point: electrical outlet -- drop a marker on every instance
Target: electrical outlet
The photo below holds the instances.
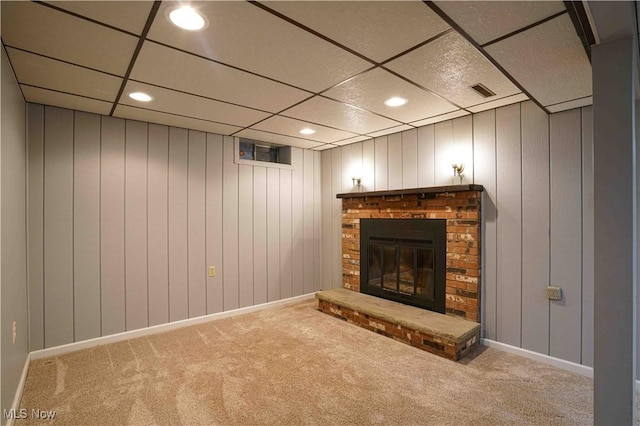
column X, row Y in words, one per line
column 14, row 332
column 554, row 292
column 212, row 271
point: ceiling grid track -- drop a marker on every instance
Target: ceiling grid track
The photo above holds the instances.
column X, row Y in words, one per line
column 347, row 57
column 581, row 24
column 136, row 52
column 480, row 49
column 523, row 29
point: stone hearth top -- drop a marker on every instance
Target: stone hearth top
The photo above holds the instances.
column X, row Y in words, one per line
column 432, row 323
column 413, row 191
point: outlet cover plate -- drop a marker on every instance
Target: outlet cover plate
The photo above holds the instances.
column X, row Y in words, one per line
column 554, row 292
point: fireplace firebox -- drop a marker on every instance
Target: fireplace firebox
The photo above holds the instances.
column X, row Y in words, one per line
column 404, row 261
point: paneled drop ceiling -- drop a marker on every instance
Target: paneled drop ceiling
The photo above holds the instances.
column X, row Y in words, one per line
column 265, row 70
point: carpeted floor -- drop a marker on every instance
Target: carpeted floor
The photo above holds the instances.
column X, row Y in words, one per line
column 295, row 365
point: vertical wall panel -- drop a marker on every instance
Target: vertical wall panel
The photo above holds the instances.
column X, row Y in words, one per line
column 356, row 165
column 35, row 194
column 327, row 227
column 214, row 189
column 426, row 156
column 347, row 182
column 286, row 270
column 317, row 220
column 308, row 221
column 509, row 241
column 368, row 165
column 381, row 166
column 112, row 225
column 394, row 158
column 350, row 167
column 245, row 234
column 273, row 234
column 535, row 228
column 336, row 218
column 410, row 158
column 587, row 236
column 178, row 266
column 230, row 226
column 135, row 205
column 58, row 226
column 158, row 225
column 297, row 221
column 443, row 142
column 463, row 146
column 484, row 153
column 136, row 212
column 566, row 234
column 260, row 235
column 197, row 224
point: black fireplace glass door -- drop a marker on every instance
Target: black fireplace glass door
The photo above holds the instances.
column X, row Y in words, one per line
column 375, row 265
column 425, row 282
column 390, row 268
column 404, row 260
column 406, row 271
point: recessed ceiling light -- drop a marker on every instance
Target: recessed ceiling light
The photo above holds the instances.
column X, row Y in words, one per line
column 307, row 131
column 187, row 18
column 395, row 102
column 140, row 96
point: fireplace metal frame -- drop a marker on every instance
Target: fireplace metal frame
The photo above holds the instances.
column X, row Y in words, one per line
column 407, row 233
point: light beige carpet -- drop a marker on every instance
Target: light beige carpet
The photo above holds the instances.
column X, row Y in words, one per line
column 295, row 365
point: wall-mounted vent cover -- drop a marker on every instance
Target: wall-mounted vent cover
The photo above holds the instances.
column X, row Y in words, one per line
column 482, row 89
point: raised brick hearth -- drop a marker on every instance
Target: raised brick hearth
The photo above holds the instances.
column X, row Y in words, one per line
column 459, row 205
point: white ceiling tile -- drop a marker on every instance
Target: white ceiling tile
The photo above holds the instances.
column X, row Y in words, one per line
column 245, row 36
column 338, row 115
column 485, row 21
column 390, row 131
column 449, row 66
column 352, row 140
column 258, row 135
column 577, row 103
column 291, row 127
column 127, row 15
column 48, row 73
column 170, row 101
column 555, row 68
column 48, row 97
column 520, row 97
column 439, row 118
column 168, row 67
column 371, row 89
column 41, row 29
column 132, row 113
column 384, row 28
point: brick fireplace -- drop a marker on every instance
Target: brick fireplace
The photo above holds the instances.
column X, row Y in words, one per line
column 459, row 207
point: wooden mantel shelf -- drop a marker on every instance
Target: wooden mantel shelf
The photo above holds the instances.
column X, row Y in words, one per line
column 413, row 191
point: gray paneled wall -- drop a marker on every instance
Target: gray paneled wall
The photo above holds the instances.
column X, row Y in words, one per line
column 125, row 217
column 538, row 213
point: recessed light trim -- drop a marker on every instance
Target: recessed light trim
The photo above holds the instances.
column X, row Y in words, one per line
column 187, row 18
column 307, row 131
column 140, row 97
column 395, row 101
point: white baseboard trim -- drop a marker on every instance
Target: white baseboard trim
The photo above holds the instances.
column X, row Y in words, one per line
column 583, row 370
column 18, row 396
column 85, row 344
